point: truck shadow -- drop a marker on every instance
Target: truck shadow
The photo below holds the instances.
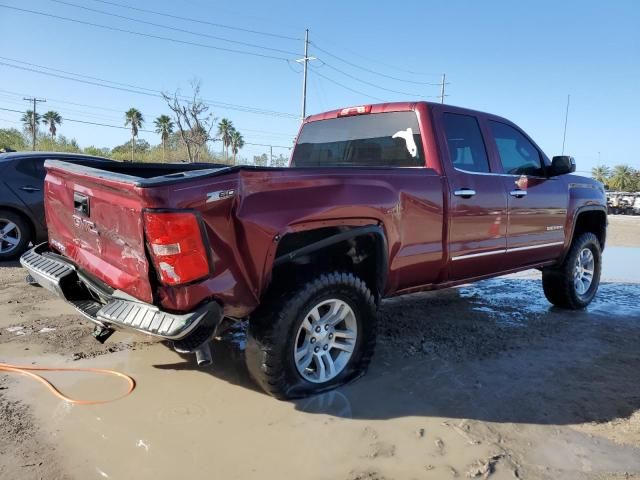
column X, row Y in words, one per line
column 494, row 351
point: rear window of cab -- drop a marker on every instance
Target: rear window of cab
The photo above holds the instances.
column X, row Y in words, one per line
column 389, row 139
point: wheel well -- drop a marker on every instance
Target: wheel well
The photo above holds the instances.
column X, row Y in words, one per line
column 301, row 256
column 25, row 217
column 594, row 221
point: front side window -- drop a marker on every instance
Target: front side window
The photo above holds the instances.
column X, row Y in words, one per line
column 372, row 140
column 517, row 154
column 464, row 139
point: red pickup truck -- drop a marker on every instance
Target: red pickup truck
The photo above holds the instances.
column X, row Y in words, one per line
column 378, row 200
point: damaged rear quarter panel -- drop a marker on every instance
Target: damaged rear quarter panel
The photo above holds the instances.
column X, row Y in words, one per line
column 243, row 229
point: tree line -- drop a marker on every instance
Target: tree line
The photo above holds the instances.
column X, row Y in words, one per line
column 621, row 178
column 185, row 135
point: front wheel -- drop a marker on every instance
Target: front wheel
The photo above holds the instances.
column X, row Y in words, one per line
column 574, row 283
column 314, row 339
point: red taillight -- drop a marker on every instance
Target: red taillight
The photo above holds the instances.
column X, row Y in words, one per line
column 175, row 241
column 361, row 110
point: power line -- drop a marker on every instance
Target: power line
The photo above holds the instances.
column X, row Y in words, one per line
column 9, row 121
column 103, row 125
column 83, row 121
column 368, row 69
column 138, row 90
column 347, row 88
column 266, row 133
column 78, row 74
column 262, row 47
column 13, row 98
column 182, row 30
column 380, row 62
column 267, row 145
column 197, row 20
column 51, row 101
column 63, row 108
column 147, row 35
column 11, row 110
column 353, row 77
column 54, row 103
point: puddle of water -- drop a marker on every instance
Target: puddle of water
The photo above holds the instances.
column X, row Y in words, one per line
column 621, row 264
column 515, row 299
column 510, row 301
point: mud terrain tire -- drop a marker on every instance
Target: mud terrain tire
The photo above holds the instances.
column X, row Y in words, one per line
column 559, row 283
column 275, row 328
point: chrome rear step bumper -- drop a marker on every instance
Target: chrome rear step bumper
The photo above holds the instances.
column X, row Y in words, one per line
column 121, row 310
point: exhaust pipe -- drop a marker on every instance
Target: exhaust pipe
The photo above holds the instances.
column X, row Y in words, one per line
column 203, row 354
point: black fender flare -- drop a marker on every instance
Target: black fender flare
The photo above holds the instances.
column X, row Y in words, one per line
column 579, row 211
column 381, row 253
column 588, row 208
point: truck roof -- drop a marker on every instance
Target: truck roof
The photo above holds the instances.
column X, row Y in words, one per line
column 397, row 107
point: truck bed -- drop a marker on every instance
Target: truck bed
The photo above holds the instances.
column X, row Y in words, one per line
column 141, row 174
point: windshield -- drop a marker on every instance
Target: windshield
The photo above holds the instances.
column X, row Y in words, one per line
column 377, row 140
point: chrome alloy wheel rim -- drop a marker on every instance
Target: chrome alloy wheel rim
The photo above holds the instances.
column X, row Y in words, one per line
column 325, row 340
column 583, row 273
column 9, row 236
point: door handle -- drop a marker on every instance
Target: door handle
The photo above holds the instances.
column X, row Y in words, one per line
column 518, row 193
column 464, row 193
column 29, row 188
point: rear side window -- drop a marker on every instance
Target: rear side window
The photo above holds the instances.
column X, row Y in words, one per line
column 517, row 154
column 466, row 146
column 32, row 167
column 375, row 140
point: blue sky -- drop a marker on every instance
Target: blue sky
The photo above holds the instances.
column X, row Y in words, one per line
column 516, row 59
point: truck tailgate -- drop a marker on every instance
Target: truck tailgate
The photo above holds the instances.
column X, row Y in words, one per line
column 97, row 223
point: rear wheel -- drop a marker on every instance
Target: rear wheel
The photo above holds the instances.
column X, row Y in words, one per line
column 573, row 284
column 15, row 235
column 313, row 340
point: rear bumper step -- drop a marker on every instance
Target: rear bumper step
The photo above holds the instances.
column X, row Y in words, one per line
column 121, row 310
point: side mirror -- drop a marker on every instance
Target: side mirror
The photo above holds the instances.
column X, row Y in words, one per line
column 561, row 165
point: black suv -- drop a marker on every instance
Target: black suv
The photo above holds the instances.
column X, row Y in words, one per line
column 22, row 198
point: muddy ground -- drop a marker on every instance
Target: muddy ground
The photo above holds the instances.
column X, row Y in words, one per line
column 482, row 381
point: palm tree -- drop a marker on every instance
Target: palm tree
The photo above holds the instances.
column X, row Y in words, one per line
column 225, row 129
column 623, row 178
column 601, row 173
column 237, row 142
column 164, row 126
column 52, row 119
column 134, row 118
column 29, row 123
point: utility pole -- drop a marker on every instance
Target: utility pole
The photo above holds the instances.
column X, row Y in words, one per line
column 444, row 76
column 271, row 155
column 33, row 119
column 305, row 62
column 566, row 118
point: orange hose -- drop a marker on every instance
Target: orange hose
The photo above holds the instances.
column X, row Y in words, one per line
column 28, row 371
